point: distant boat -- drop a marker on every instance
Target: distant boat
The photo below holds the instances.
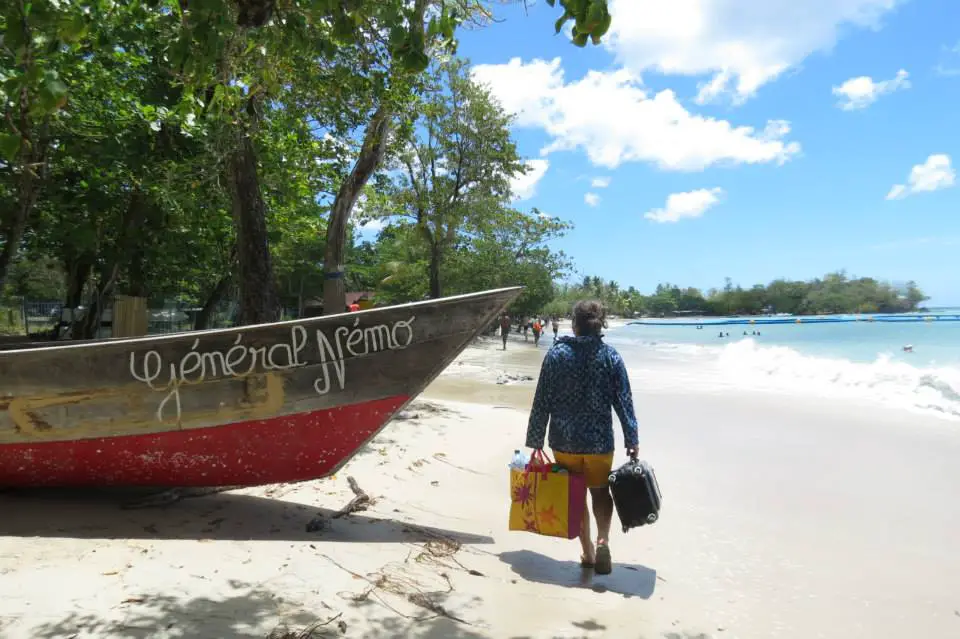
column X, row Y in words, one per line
column 244, row 406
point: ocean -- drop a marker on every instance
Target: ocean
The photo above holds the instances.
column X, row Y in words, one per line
column 863, row 360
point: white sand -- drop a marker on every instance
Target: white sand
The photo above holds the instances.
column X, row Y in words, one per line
column 782, row 518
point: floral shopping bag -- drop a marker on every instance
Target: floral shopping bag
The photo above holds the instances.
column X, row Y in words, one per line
column 545, row 499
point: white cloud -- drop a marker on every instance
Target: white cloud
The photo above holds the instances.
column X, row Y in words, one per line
column 862, row 91
column 601, row 182
column 614, row 119
column 524, row 186
column 690, row 204
column 592, row 199
column 739, row 44
column 934, row 174
column 949, row 60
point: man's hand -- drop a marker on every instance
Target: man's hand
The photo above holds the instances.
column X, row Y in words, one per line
column 633, row 453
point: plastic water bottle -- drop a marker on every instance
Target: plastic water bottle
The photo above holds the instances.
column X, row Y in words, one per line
column 519, row 462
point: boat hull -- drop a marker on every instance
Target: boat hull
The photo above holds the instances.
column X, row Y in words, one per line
column 254, row 405
column 280, row 449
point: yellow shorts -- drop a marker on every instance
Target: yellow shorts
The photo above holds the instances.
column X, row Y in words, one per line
column 594, row 468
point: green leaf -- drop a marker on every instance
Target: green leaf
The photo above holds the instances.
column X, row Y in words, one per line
column 596, row 13
column 217, row 98
column 562, row 20
column 9, row 146
column 53, row 92
column 73, row 29
column 580, row 39
column 415, row 61
column 603, row 27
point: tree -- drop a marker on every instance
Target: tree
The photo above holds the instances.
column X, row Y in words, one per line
column 913, row 296
column 411, row 45
column 40, row 40
column 512, row 248
column 455, row 174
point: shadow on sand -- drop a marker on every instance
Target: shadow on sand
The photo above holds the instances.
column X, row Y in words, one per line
column 629, row 580
column 249, row 612
column 225, row 516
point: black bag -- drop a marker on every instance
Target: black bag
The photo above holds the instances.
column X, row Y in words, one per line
column 636, row 494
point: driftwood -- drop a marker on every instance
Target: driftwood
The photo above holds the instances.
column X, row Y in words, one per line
column 313, row 631
column 361, row 500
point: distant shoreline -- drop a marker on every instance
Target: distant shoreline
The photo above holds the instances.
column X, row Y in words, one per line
column 947, row 310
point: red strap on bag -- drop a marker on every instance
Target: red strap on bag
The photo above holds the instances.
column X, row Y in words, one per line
column 540, row 463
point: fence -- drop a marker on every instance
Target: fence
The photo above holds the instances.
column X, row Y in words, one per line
column 21, row 318
column 30, row 317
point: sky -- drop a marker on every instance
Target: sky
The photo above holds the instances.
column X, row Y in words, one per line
column 750, row 139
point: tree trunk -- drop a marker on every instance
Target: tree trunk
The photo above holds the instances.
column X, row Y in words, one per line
column 77, row 272
column 137, row 274
column 32, row 167
column 371, row 154
column 103, row 293
column 434, row 271
column 27, row 199
column 203, row 317
column 259, row 299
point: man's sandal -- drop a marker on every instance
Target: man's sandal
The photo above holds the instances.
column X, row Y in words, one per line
column 604, row 565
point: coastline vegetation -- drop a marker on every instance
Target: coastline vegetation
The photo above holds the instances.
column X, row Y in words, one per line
column 833, row 293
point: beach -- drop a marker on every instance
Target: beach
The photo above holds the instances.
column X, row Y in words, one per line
column 784, row 516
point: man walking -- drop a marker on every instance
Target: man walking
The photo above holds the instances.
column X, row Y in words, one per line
column 504, row 329
column 580, row 380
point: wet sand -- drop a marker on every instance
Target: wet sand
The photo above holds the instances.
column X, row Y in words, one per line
column 782, row 518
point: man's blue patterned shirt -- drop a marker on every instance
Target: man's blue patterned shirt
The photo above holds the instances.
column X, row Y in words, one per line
column 580, row 380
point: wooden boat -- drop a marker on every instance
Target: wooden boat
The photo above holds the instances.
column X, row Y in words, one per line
column 252, row 405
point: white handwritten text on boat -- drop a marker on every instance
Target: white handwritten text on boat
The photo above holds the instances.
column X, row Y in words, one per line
column 241, row 360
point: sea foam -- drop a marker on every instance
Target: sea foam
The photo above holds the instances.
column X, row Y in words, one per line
column 748, row 365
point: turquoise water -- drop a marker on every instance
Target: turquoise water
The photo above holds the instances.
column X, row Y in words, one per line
column 934, row 343
column 860, row 359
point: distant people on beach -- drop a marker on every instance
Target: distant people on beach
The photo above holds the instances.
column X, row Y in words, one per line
column 526, row 329
column 580, row 380
column 556, row 328
column 537, row 329
column 504, row 329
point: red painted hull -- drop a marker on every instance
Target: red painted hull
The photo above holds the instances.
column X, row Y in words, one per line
column 279, row 449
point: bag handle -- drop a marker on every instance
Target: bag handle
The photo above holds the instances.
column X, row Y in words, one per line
column 540, row 455
column 539, row 462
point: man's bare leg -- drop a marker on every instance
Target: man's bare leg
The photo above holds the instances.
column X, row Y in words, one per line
column 603, row 511
column 589, row 553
